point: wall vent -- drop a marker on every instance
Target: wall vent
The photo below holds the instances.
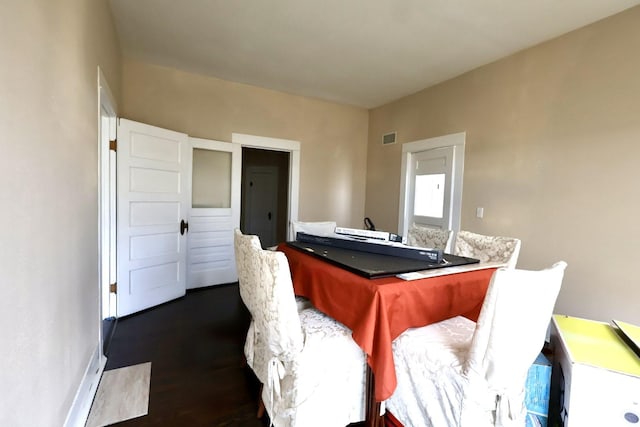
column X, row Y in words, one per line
column 389, row 138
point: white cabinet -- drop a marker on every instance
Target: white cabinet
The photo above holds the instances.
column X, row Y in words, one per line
column 596, row 376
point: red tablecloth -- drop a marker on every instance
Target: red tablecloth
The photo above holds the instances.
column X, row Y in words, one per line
column 379, row 310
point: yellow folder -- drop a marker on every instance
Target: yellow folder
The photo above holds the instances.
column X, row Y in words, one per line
column 597, row 344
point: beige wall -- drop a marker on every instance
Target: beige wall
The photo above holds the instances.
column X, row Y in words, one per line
column 333, row 137
column 551, row 150
column 552, row 155
column 49, row 315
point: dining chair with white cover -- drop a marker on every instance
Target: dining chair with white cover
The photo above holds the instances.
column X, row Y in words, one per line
column 312, row 372
column 461, row 373
column 428, row 237
column 487, row 248
column 317, row 228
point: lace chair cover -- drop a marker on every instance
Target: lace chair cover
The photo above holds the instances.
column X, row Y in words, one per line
column 487, row 248
column 428, row 237
column 428, row 363
column 266, row 290
column 312, row 371
column 457, row 373
column 319, row 228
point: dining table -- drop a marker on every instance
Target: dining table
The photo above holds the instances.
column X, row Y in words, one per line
column 378, row 310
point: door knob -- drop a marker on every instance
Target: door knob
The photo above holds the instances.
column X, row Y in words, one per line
column 269, row 216
column 183, row 226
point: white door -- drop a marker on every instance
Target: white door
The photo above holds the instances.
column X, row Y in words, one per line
column 431, row 185
column 153, row 194
column 261, row 203
column 214, row 212
column 430, row 192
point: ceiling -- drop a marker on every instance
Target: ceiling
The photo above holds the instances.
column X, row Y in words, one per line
column 359, row 52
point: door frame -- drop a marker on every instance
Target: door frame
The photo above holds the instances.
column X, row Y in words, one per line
column 106, row 204
column 409, row 150
column 277, row 144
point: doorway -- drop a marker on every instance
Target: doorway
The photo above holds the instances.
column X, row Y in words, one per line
column 265, row 194
column 431, row 184
column 429, row 195
column 290, row 181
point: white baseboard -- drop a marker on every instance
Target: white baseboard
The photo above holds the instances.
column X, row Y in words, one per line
column 79, row 411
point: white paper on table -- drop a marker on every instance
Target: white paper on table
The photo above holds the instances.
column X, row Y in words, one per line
column 444, row 271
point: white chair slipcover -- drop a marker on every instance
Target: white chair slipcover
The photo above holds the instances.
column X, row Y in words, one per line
column 428, row 237
column 487, row 248
column 313, row 373
column 459, row 373
column 317, row 228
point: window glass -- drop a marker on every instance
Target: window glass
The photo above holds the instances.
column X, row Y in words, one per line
column 429, row 195
column 211, row 179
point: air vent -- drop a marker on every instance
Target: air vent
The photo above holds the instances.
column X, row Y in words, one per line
column 389, row 138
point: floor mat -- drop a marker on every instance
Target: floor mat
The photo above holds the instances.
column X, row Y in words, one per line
column 122, row 394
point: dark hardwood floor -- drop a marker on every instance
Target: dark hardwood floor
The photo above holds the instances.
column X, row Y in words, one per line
column 195, row 346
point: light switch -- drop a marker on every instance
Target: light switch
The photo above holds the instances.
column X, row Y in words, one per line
column 479, row 212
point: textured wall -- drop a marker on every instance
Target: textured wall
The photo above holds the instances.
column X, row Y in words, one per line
column 333, row 137
column 551, row 155
column 49, row 314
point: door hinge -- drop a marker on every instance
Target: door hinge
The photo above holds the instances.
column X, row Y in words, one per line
column 113, row 145
column 113, row 287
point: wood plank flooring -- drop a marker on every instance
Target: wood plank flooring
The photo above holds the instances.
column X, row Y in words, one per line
column 195, row 345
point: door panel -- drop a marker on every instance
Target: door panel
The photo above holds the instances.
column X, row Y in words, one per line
column 152, row 167
column 214, row 212
column 211, row 257
column 154, row 245
column 154, row 181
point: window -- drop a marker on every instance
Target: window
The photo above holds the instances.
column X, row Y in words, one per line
column 429, row 195
column 211, row 186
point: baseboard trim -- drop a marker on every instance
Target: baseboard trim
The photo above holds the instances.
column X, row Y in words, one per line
column 79, row 411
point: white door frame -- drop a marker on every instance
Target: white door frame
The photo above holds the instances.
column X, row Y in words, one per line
column 106, row 201
column 409, row 149
column 434, row 161
column 276, row 144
